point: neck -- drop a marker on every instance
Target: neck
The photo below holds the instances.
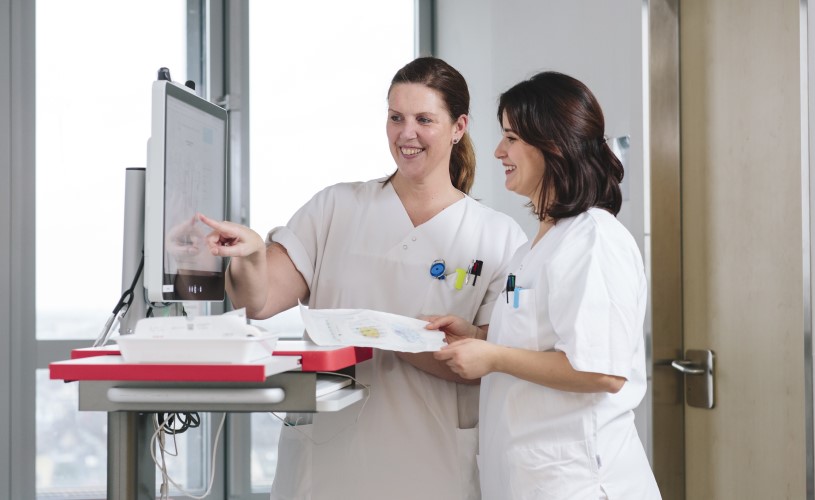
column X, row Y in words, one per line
column 426, row 199
column 543, row 228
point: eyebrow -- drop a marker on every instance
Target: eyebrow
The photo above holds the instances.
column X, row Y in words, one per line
column 428, row 113
column 509, row 130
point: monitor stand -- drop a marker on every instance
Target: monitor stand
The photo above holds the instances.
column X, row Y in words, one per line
column 132, row 248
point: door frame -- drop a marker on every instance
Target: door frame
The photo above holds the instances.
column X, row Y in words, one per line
column 665, row 245
column 807, row 65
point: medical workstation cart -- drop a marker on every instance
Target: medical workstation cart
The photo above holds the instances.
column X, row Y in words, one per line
column 293, row 379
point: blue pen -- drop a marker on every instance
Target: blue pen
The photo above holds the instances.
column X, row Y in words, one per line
column 516, row 296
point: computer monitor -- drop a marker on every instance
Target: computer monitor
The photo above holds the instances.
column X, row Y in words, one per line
column 186, row 175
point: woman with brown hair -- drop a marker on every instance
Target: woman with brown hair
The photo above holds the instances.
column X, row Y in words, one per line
column 387, row 245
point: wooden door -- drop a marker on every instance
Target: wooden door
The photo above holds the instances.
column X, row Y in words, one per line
column 742, row 268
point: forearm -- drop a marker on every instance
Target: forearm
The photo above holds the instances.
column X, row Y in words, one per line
column 481, row 332
column 246, row 283
column 267, row 286
column 424, row 361
column 552, row 369
column 428, row 363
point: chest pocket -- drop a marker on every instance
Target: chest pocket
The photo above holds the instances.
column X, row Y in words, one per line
column 443, row 297
column 515, row 320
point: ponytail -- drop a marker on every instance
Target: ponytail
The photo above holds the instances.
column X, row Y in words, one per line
column 462, row 164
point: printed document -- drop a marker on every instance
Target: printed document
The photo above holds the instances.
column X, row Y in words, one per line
column 366, row 328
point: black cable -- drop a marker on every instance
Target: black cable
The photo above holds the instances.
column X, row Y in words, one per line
column 121, row 308
column 128, row 294
column 177, row 423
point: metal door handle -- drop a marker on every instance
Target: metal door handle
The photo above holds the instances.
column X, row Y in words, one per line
column 698, row 371
column 688, row 367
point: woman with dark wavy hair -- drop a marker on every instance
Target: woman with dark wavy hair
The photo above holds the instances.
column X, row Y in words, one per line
column 562, row 365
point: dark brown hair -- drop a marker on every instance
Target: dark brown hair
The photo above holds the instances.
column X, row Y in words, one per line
column 436, row 74
column 561, row 117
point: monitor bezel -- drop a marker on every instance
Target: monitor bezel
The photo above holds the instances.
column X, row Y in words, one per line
column 155, row 278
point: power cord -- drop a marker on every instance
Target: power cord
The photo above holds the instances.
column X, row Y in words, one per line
column 120, row 310
column 307, row 419
column 164, row 426
column 164, row 305
column 177, row 423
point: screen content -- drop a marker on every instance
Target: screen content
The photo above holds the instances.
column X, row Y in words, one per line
column 194, row 181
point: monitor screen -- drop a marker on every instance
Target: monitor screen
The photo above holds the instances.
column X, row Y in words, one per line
column 186, row 175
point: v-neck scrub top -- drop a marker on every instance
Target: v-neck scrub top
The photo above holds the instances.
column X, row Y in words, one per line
column 356, row 248
column 581, row 291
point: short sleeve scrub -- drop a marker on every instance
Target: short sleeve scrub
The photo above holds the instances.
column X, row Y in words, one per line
column 356, row 248
column 580, row 290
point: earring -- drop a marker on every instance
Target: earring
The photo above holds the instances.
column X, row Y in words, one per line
column 455, row 141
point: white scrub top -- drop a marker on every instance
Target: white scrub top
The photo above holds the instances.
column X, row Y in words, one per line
column 356, row 248
column 582, row 292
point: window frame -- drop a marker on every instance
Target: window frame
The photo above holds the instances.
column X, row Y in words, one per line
column 17, row 333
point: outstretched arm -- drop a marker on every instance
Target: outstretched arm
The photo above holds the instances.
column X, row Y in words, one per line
column 261, row 278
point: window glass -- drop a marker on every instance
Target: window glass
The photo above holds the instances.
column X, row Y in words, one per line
column 96, row 61
column 71, row 444
column 72, row 447
column 265, row 438
column 95, row 64
column 318, row 97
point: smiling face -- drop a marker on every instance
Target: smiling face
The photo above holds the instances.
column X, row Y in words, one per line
column 523, row 164
column 420, row 131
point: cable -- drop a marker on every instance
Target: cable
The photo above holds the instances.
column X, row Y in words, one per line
column 155, row 439
column 164, row 305
column 356, row 419
column 120, row 309
column 185, row 420
column 366, row 387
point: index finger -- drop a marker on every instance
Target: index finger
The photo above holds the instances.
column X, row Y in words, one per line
column 218, row 226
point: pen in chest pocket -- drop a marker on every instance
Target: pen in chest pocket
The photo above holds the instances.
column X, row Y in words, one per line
column 510, row 285
column 475, row 269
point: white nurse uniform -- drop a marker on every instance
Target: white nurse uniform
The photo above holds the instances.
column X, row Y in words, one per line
column 356, row 248
column 581, row 291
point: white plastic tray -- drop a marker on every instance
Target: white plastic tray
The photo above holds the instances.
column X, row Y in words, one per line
column 196, row 349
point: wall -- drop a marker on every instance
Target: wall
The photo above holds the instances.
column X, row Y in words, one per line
column 475, row 37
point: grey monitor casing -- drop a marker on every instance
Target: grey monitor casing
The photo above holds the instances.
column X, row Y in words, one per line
column 199, row 179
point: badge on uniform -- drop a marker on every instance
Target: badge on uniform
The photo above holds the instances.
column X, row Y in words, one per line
column 438, row 271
